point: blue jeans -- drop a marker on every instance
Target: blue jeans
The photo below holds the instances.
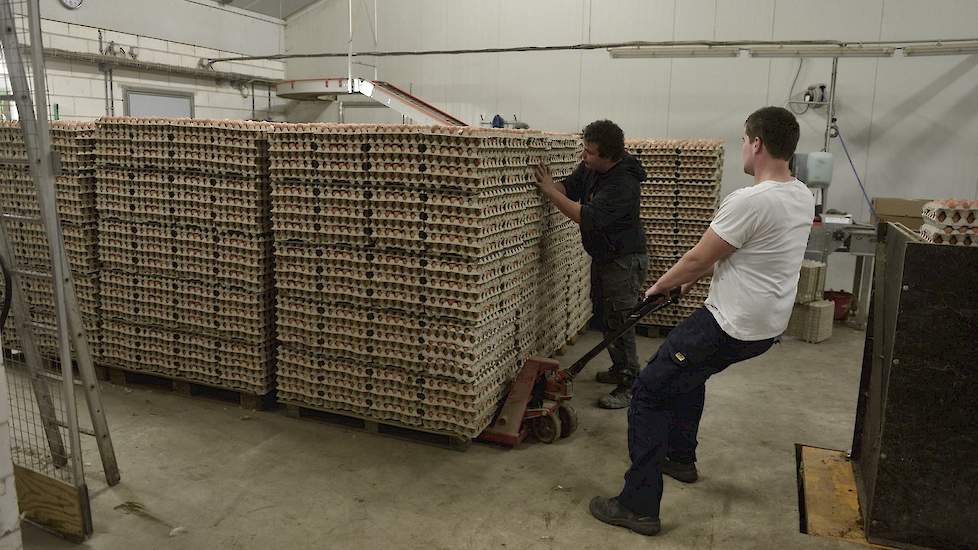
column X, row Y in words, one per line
column 667, row 403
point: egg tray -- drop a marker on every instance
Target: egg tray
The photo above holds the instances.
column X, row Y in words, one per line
column 669, row 319
column 811, row 282
column 671, row 212
column 30, row 242
column 303, row 264
column 238, row 323
column 382, row 409
column 951, row 213
column 414, row 347
column 459, row 357
column 471, row 221
column 250, row 218
column 164, row 265
column 418, row 299
column 426, row 402
column 305, row 259
column 207, row 132
column 69, row 186
column 956, row 236
column 408, row 236
column 191, row 240
column 191, row 370
column 46, row 340
column 405, row 138
column 416, row 159
column 669, row 203
column 485, row 311
column 311, row 367
column 423, row 363
column 415, row 298
column 219, row 361
column 38, row 286
column 191, row 146
column 685, row 189
column 37, row 257
column 676, row 226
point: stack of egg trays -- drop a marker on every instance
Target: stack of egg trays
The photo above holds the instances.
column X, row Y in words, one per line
column 401, row 255
column 679, row 199
column 950, row 221
column 186, row 250
column 75, row 189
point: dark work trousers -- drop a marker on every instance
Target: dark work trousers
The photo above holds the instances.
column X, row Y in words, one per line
column 667, row 403
column 616, row 288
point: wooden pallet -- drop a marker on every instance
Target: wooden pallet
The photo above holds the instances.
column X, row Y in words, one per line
column 123, row 377
column 390, row 428
column 828, row 505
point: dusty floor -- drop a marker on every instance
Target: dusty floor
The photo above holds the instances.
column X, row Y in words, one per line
column 239, row 480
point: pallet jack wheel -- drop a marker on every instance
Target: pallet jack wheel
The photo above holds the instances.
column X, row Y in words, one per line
column 568, row 419
column 546, row 428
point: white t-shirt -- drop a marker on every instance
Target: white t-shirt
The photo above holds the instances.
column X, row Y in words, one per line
column 753, row 289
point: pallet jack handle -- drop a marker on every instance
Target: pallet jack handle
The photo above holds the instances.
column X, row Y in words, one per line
column 649, row 305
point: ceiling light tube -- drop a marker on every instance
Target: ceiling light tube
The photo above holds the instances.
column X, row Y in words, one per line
column 643, row 52
column 850, row 50
column 942, row 48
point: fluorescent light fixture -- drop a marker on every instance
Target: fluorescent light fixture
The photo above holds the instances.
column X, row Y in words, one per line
column 942, row 48
column 640, row 52
column 850, row 50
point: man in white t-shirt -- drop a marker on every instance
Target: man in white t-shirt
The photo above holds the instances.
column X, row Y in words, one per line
column 753, row 248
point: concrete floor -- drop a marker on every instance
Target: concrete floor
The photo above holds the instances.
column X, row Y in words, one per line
column 238, row 480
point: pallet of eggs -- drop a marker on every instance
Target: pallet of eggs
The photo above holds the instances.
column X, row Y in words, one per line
column 679, row 198
column 557, row 272
column 950, row 221
column 410, row 269
column 75, row 188
column 186, row 250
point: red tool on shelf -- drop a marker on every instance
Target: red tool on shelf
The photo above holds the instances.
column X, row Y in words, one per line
column 538, row 400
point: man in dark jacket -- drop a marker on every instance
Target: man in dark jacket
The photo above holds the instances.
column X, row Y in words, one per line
column 603, row 196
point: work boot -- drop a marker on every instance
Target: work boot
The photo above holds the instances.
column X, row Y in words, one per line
column 610, row 511
column 610, row 376
column 619, row 398
column 680, row 472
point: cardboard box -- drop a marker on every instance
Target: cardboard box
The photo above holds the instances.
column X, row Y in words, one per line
column 905, row 211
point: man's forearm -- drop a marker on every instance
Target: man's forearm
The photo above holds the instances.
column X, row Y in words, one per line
column 688, row 269
column 558, row 196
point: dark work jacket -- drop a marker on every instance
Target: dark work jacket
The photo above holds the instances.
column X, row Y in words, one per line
column 610, row 203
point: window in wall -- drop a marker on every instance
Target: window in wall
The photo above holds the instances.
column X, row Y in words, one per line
column 158, row 103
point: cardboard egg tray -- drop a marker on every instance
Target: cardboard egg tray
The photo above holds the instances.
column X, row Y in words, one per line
column 678, row 202
column 74, row 188
column 186, row 250
column 956, row 236
column 812, row 321
column 401, row 256
column 222, row 362
column 811, row 282
column 951, row 213
column 76, row 196
column 193, row 313
column 193, row 146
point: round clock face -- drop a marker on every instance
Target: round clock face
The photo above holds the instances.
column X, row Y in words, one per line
column 72, row 4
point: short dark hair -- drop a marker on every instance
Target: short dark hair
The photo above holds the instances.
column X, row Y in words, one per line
column 777, row 128
column 608, row 137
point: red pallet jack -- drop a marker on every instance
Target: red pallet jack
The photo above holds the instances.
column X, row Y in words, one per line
column 538, row 400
